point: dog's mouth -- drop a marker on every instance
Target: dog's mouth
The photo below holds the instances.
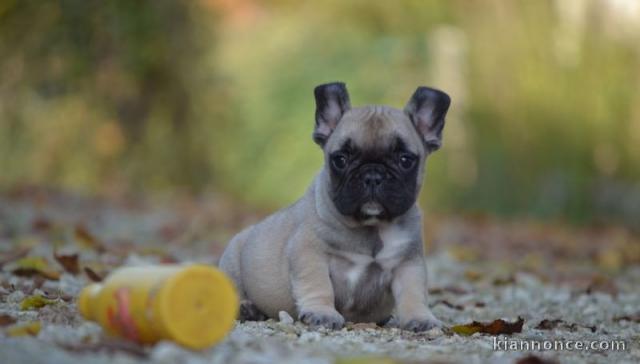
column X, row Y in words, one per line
column 371, row 213
column 371, row 209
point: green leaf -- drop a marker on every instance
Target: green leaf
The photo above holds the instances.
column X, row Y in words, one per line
column 34, row 302
column 24, row 329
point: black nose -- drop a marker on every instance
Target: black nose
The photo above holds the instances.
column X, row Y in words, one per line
column 372, row 178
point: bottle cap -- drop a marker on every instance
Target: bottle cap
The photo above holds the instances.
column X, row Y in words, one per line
column 196, row 307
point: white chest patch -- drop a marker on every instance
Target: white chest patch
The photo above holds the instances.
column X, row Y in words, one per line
column 354, row 273
column 360, row 262
column 394, row 239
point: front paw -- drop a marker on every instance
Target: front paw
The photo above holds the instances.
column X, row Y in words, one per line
column 329, row 318
column 250, row 312
column 424, row 324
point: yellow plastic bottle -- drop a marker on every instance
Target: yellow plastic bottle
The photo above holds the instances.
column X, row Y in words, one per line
column 194, row 305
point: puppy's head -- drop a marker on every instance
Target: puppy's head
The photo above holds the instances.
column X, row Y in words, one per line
column 375, row 154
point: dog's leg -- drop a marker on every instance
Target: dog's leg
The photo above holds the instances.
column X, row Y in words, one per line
column 231, row 265
column 410, row 293
column 312, row 288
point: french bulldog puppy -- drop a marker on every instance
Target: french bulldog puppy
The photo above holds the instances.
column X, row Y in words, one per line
column 351, row 247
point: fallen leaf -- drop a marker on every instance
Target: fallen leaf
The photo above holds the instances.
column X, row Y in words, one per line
column 86, row 240
column 30, row 266
column 168, row 259
column 450, row 305
column 30, row 328
column 497, row 327
column 532, row 359
column 35, row 301
column 548, row 324
column 6, row 320
column 448, row 289
column 93, row 276
column 552, row 324
column 68, row 262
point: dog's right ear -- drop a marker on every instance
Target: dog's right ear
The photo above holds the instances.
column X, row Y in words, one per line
column 427, row 109
column 332, row 101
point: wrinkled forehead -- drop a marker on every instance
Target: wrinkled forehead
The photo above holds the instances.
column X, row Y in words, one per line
column 374, row 127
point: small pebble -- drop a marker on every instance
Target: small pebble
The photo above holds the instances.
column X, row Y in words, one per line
column 285, row 318
column 364, row 325
column 15, row 297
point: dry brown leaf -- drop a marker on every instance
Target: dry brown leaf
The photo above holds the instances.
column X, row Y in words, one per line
column 532, row 359
column 32, row 266
column 497, row 327
column 169, row 259
column 6, row 320
column 87, row 240
column 93, row 276
column 552, row 324
column 549, row 324
column 448, row 289
column 68, row 262
column 450, row 305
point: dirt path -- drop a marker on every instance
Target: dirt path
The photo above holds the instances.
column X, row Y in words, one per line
column 567, row 285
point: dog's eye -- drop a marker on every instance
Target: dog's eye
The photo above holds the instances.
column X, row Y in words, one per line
column 407, row 161
column 339, row 161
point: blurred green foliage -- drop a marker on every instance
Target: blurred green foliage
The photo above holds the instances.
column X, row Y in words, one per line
column 107, row 94
column 159, row 95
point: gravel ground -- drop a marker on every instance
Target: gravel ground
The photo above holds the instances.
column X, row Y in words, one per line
column 462, row 290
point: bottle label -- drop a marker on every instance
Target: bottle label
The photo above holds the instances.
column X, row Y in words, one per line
column 120, row 317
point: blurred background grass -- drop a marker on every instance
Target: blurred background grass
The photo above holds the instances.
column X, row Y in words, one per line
column 163, row 97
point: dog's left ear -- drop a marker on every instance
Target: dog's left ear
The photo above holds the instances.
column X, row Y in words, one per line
column 332, row 101
column 427, row 109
